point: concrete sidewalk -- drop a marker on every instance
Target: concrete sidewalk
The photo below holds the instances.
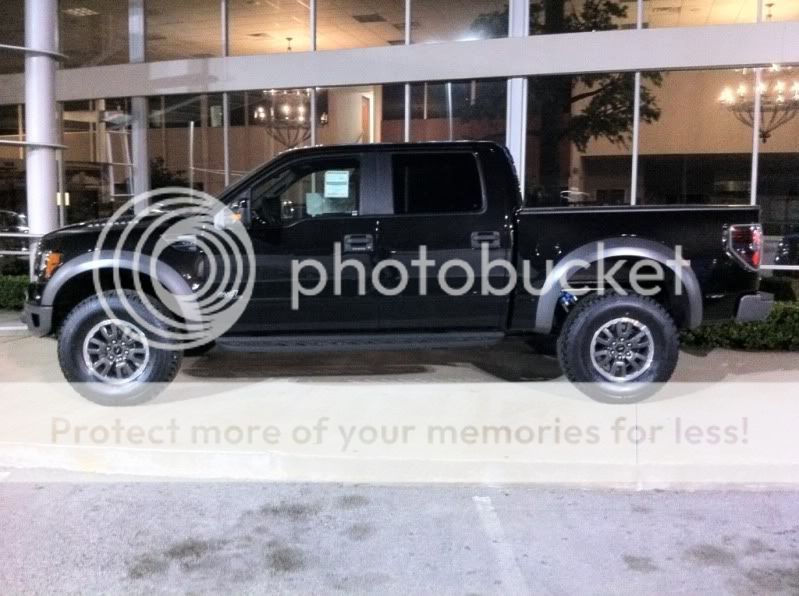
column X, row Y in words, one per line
column 501, row 415
column 10, row 318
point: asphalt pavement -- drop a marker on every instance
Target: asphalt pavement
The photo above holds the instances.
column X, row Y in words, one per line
column 88, row 535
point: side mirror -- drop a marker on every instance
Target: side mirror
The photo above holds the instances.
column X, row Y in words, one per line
column 244, row 211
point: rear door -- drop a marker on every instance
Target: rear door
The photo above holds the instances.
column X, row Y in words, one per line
column 440, row 205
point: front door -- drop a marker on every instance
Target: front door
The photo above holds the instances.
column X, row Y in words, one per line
column 299, row 213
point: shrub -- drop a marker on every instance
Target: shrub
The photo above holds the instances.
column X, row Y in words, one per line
column 785, row 289
column 12, row 291
column 779, row 332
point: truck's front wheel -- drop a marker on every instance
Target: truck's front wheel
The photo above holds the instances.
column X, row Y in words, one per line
column 111, row 360
column 618, row 348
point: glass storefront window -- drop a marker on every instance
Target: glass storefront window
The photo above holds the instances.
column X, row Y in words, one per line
column 458, row 20
column 185, row 141
column 351, row 115
column 93, row 33
column 777, row 181
column 699, row 13
column 263, row 27
column 460, row 110
column 574, row 16
column 183, row 29
column 579, row 136
column 368, row 23
column 12, row 32
column 12, row 186
column 780, row 10
column 695, row 151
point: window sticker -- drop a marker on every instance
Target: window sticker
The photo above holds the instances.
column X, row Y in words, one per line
column 337, row 184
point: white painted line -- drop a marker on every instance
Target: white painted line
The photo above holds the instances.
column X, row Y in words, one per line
column 13, row 328
column 512, row 579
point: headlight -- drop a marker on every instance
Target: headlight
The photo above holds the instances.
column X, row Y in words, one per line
column 47, row 261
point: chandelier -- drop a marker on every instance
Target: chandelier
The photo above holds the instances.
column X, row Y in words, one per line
column 778, row 89
column 286, row 116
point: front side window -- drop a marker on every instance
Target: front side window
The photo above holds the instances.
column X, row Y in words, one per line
column 307, row 190
column 436, row 183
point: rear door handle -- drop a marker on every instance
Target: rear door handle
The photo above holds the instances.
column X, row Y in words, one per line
column 358, row 243
column 493, row 239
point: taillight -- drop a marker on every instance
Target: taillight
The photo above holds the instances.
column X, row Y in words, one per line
column 745, row 243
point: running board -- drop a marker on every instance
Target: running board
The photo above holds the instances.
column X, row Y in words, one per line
column 358, row 342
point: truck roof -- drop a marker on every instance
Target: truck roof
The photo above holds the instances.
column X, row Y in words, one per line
column 361, row 148
column 372, row 147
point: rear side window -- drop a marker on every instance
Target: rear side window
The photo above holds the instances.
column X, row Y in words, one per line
column 436, row 183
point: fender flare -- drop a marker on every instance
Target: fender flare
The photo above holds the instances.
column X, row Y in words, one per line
column 166, row 275
column 613, row 248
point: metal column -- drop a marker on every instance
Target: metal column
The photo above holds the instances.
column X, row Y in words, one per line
column 41, row 171
column 516, row 115
column 139, row 110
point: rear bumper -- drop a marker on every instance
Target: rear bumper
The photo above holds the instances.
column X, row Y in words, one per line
column 39, row 319
column 754, row 307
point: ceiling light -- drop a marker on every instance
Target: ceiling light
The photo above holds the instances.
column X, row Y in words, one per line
column 80, row 11
column 369, row 18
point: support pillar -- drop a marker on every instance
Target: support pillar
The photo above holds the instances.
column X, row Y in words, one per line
column 41, row 169
column 139, row 109
column 516, row 113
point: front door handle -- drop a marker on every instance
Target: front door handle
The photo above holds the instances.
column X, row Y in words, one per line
column 358, row 243
column 492, row 239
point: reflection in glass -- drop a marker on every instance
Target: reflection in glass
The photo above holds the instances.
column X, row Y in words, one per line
column 696, row 152
column 579, row 135
column 185, row 142
column 472, row 110
column 575, row 16
column 458, row 20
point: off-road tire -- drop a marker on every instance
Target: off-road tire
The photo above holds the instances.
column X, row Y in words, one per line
column 590, row 315
column 160, row 369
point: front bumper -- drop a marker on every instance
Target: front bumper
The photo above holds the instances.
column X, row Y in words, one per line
column 39, row 319
column 754, row 307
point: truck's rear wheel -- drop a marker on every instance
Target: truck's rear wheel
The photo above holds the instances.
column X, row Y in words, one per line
column 111, row 360
column 618, row 348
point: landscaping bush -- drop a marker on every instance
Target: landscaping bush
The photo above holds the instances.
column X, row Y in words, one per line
column 785, row 289
column 12, row 291
column 779, row 332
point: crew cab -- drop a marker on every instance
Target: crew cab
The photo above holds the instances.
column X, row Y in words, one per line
column 371, row 204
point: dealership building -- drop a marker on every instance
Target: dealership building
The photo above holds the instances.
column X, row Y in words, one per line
column 600, row 102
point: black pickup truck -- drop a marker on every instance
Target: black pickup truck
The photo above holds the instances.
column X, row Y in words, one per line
column 385, row 208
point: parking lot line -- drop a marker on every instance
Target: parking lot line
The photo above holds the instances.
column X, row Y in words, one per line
column 13, row 328
column 512, row 579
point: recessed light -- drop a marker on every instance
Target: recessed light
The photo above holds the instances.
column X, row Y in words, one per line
column 80, row 11
column 369, row 18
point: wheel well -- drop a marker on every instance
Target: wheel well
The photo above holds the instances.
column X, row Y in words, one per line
column 82, row 286
column 587, row 279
